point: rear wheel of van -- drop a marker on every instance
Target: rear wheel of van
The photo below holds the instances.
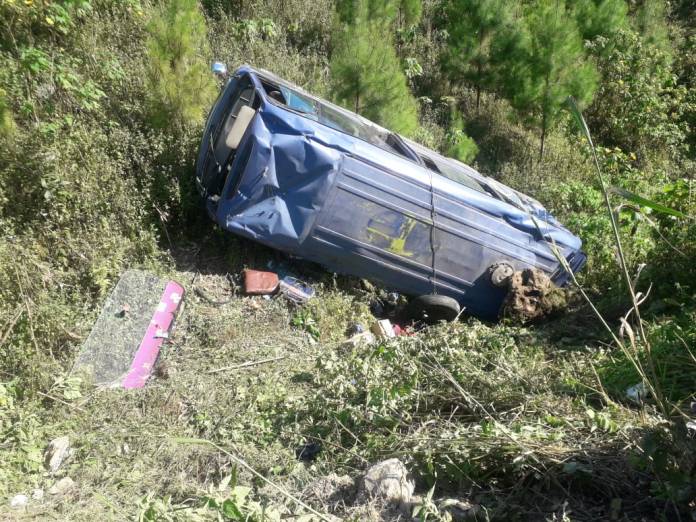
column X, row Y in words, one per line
column 432, row 308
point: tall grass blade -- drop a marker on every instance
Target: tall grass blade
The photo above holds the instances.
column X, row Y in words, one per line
column 645, row 202
column 651, row 379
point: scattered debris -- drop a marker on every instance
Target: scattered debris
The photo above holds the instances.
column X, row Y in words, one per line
column 383, row 329
column 388, row 305
column 62, row 487
column 637, row 393
column 532, row 296
column 691, row 427
column 125, row 310
column 387, row 480
column 295, row 290
column 308, row 452
column 257, row 282
column 123, row 346
column 37, row 494
column 355, row 329
column 19, row 501
column 56, row 453
column 458, row 510
column 363, row 338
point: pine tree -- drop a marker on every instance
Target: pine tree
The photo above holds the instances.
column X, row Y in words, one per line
column 180, row 84
column 651, row 22
column 599, row 17
column 387, row 11
column 366, row 72
column 543, row 62
column 472, row 26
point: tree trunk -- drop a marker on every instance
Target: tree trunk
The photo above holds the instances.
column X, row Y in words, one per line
column 479, row 74
column 543, row 135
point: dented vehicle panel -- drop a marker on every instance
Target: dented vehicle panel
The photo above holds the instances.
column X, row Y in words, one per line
column 284, row 168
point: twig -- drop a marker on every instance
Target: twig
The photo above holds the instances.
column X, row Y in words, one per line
column 60, row 400
column 246, row 466
column 12, row 325
column 247, row 364
column 29, row 317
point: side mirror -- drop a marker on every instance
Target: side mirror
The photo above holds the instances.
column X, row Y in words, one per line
column 219, row 69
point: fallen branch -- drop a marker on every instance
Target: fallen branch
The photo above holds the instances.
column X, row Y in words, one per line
column 247, row 364
column 56, row 399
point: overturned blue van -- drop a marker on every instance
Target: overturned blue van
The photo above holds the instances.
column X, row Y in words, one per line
column 299, row 174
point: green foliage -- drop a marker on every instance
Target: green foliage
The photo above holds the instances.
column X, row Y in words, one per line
column 180, row 86
column 459, row 145
column 473, row 27
column 638, row 106
column 7, row 125
column 674, row 354
column 600, row 17
column 650, row 20
column 366, row 74
column 235, row 506
column 544, row 62
column 385, row 11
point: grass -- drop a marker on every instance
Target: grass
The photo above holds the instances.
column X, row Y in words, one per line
column 510, row 418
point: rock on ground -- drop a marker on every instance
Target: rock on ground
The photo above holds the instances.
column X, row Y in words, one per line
column 61, row 487
column 56, row 453
column 19, row 501
column 388, row 481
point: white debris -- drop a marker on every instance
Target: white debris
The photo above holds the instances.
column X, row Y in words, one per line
column 37, row 494
column 637, row 393
column 19, row 501
column 383, row 329
column 388, row 480
column 691, row 426
column 362, row 338
column 459, row 510
column 56, row 453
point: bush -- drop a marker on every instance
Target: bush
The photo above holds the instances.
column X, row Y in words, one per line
column 638, row 105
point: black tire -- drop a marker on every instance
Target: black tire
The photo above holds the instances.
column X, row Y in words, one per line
column 432, row 308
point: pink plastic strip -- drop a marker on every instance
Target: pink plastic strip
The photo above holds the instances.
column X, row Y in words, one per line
column 156, row 333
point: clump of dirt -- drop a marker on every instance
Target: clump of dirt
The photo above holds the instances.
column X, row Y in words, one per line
column 334, row 492
column 532, row 297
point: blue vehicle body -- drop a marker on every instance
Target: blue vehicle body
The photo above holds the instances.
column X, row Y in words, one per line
column 345, row 193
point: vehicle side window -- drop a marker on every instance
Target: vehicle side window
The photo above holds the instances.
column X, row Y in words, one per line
column 452, row 172
column 430, row 164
